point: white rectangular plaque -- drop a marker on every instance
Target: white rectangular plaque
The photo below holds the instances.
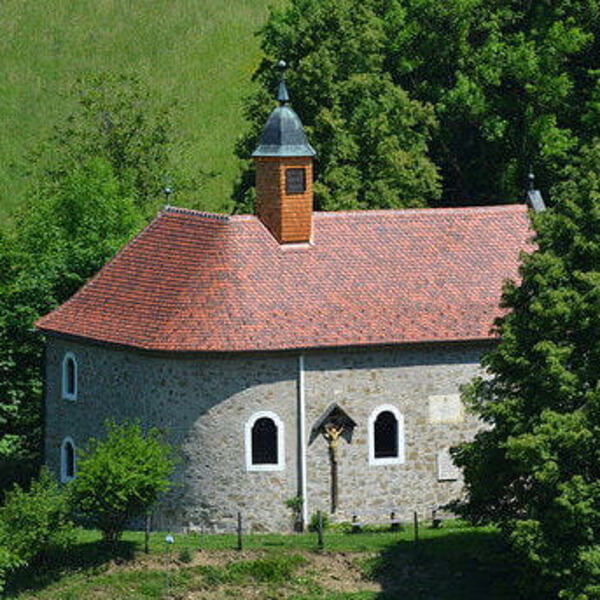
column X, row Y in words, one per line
column 447, row 470
column 445, row 409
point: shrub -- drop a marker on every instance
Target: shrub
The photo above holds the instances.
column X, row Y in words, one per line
column 8, row 562
column 295, row 505
column 120, row 477
column 314, row 521
column 36, row 522
column 33, row 524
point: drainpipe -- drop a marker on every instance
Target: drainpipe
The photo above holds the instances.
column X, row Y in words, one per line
column 302, row 438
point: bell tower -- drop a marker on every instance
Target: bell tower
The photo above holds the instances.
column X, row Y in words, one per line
column 284, row 173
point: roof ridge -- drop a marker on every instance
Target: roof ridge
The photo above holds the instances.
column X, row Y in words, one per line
column 431, row 210
column 191, row 211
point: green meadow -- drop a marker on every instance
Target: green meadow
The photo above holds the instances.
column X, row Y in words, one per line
column 457, row 562
column 198, row 53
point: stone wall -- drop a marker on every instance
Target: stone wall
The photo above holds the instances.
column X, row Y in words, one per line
column 411, row 380
column 203, row 402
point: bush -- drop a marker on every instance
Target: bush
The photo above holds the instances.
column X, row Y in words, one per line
column 34, row 524
column 120, row 477
column 295, row 505
column 8, row 562
column 314, row 521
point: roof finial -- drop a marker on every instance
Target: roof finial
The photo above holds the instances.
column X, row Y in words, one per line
column 282, row 93
column 531, row 178
column 534, row 197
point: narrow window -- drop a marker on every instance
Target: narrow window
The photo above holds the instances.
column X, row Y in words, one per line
column 264, row 442
column 69, row 377
column 67, row 460
column 386, row 436
column 295, row 181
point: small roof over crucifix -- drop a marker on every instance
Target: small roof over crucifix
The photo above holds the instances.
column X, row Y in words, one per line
column 336, row 416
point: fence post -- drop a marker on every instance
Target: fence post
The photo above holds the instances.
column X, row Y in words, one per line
column 239, row 530
column 320, row 544
column 148, row 526
column 416, row 525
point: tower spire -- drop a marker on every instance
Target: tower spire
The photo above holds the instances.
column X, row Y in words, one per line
column 282, row 93
column 284, row 172
column 534, row 197
column 531, row 178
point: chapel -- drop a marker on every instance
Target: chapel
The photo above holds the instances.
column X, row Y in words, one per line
column 290, row 353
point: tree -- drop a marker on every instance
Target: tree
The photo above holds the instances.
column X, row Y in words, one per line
column 65, row 235
column 116, row 119
column 93, row 183
column 511, row 84
column 371, row 138
column 536, row 470
column 120, row 477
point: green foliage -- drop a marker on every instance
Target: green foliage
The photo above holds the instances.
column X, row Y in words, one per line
column 116, row 120
column 8, row 563
column 92, row 184
column 271, row 569
column 537, row 470
column 314, row 521
column 510, row 84
column 72, row 227
column 295, row 504
column 457, row 563
column 185, row 555
column 34, row 524
column 120, row 477
column 371, row 138
column 200, row 68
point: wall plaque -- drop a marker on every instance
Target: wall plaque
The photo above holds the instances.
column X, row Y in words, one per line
column 445, row 409
column 295, row 181
column 447, row 470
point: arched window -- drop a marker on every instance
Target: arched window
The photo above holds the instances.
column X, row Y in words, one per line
column 264, row 442
column 69, row 377
column 386, row 436
column 67, row 460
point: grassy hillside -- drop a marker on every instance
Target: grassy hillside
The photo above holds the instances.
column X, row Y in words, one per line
column 456, row 562
column 199, row 52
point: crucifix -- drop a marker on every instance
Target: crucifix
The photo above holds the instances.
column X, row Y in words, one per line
column 332, row 425
column 332, row 434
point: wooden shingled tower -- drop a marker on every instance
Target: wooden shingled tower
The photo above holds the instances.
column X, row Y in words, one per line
column 284, row 173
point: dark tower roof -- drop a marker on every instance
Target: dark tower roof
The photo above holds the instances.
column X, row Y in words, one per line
column 283, row 134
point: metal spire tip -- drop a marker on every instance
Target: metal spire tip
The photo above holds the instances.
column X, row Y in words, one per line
column 282, row 94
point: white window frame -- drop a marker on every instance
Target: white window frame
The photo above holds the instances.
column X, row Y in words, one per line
column 280, row 464
column 388, row 460
column 65, row 377
column 63, row 460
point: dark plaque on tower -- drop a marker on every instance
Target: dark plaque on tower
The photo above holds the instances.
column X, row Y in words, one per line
column 295, row 181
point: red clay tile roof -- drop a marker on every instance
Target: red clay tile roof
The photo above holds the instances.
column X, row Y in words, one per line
column 197, row 282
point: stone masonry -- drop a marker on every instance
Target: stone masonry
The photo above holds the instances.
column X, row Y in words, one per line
column 202, row 403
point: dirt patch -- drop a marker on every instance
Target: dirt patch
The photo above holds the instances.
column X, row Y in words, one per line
column 332, row 571
column 339, row 572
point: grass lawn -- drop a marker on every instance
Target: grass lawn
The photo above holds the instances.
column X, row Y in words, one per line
column 455, row 562
column 200, row 54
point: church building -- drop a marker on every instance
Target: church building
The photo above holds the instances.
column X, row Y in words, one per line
column 290, row 353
